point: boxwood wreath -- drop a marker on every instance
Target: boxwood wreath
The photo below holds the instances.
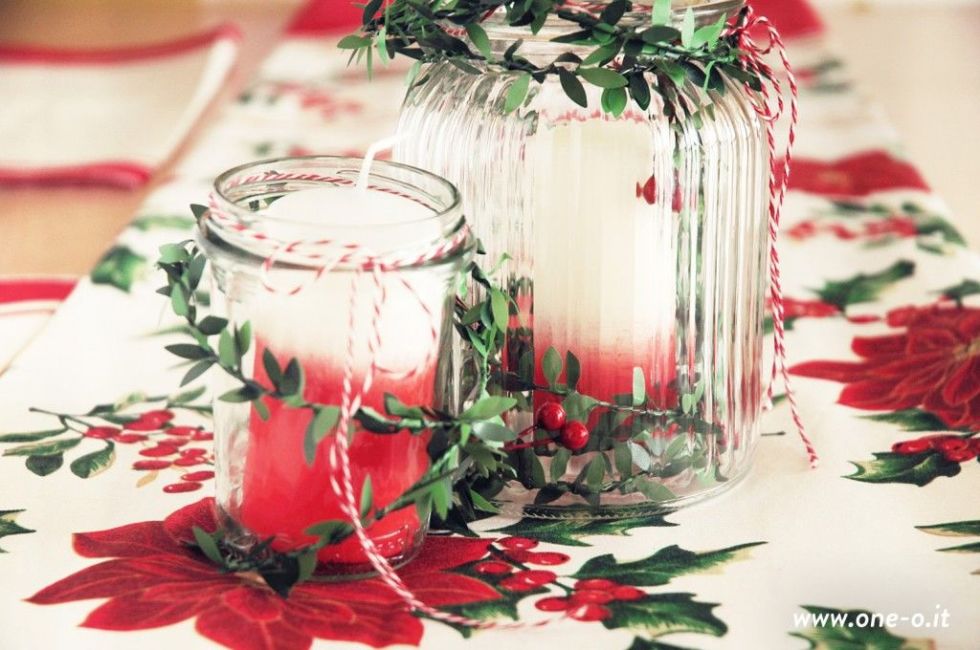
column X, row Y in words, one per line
column 632, row 58
column 473, row 451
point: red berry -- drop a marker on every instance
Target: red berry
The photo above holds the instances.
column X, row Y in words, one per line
column 189, row 461
column 159, row 450
column 550, row 416
column 173, row 488
column 596, row 583
column 529, row 579
column 203, row 435
column 150, row 421
column 590, row 612
column 960, row 455
column 193, row 451
column 493, row 568
column 592, row 596
column 552, row 604
column 546, row 559
column 909, row 447
column 102, row 432
column 151, row 464
column 181, row 431
column 201, row 475
column 951, row 444
column 129, row 438
column 628, row 593
column 574, row 436
column 648, row 191
column 517, row 543
column 516, row 584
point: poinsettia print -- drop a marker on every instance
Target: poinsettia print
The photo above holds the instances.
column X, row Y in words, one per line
column 155, row 577
column 931, row 361
column 855, row 176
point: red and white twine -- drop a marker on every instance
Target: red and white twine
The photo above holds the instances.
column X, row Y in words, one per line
column 327, row 254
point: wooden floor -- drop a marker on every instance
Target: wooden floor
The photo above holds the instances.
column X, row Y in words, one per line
column 917, row 58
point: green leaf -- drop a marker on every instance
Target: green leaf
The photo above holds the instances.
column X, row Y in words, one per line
column 910, row 420
column 864, row 287
column 614, row 101
column 501, row 313
column 551, row 366
column 624, row 459
column 208, row 546
column 243, row 339
column 573, row 370
column 10, row 527
column 173, row 253
column 640, row 90
column 917, row 469
column 227, row 350
column 594, row 473
column 32, row 436
column 487, row 408
column 603, row 77
column 687, row 28
column 659, row 34
column 479, row 38
column 639, row 387
column 353, row 42
column 709, row 34
column 659, row 614
column 954, row 528
column 44, row 465
column 330, row 531
column 559, row 464
column 973, row 547
column 661, row 567
column 960, row 291
column 578, row 406
column 188, row 351
column 441, row 498
column 602, row 54
column 198, row 210
column 211, row 325
column 48, row 448
column 493, row 432
column 367, row 496
column 187, row 396
column 381, row 43
column 661, row 12
column 517, row 92
column 847, row 633
column 271, row 365
column 120, row 267
column 292, row 379
column 240, row 394
column 196, row 371
column 94, row 463
column 307, row 565
column 654, row 490
column 569, row 532
column 178, row 300
column 323, row 421
column 394, row 406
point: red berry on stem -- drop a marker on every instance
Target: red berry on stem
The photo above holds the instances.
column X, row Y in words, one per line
column 151, row 464
column 150, row 421
column 102, row 433
column 193, row 451
column 181, row 431
column 574, row 436
column 201, row 475
column 517, row 543
column 493, row 568
column 552, row 604
column 599, row 597
column 596, row 583
column 590, row 612
column 173, row 488
column 550, row 416
column 951, row 444
column 534, row 577
column 202, row 435
column 909, row 447
column 628, row 593
column 159, row 450
column 545, row 559
column 189, row 461
column 960, row 455
column 129, row 438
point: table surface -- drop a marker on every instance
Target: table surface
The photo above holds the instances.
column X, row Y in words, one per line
column 64, row 230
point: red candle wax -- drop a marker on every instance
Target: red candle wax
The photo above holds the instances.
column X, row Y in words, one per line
column 282, row 495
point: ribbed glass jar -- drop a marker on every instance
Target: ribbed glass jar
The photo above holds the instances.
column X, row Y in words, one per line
column 637, row 244
column 264, row 238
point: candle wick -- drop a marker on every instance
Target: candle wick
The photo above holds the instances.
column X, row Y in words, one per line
column 381, row 145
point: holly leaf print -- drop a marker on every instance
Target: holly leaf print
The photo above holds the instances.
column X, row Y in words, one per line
column 917, row 469
column 910, row 420
column 10, row 527
column 659, row 614
column 119, row 267
column 639, row 643
column 569, row 532
column 864, row 287
column 837, row 629
column 957, row 529
column 960, row 291
column 661, row 567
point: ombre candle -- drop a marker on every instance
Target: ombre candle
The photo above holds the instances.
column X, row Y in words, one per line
column 288, row 242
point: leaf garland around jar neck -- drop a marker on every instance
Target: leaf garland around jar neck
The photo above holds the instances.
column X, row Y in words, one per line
column 628, row 59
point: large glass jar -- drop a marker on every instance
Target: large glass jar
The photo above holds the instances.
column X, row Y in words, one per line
column 273, row 237
column 637, row 244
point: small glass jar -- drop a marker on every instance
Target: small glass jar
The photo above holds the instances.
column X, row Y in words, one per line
column 266, row 239
column 637, row 250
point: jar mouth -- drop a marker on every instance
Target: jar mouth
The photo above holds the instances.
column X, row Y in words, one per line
column 241, row 213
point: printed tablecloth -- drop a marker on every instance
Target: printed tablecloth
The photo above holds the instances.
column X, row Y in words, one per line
column 106, row 465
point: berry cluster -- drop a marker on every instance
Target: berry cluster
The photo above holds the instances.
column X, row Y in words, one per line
column 169, row 450
column 953, row 448
column 552, row 418
column 587, row 600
